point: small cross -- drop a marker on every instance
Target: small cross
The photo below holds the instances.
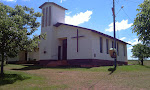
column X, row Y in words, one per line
column 77, row 38
column 48, row 0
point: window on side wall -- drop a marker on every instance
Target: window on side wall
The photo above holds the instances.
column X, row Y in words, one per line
column 118, row 49
column 107, row 46
column 124, row 50
column 112, row 44
column 101, row 45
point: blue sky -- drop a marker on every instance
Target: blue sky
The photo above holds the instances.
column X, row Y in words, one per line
column 94, row 14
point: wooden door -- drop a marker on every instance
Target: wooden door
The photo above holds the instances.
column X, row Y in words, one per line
column 64, row 48
column 59, row 52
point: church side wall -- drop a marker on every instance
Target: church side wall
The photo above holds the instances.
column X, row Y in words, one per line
column 84, row 46
column 34, row 55
column 13, row 59
column 104, row 55
column 21, row 56
column 96, row 47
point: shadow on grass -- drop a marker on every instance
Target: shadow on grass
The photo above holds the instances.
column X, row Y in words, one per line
column 12, row 78
column 28, row 67
column 111, row 70
column 34, row 67
column 146, row 66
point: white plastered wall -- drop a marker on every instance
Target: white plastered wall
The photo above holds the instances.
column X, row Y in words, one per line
column 13, row 59
column 51, row 42
column 104, row 55
column 34, row 55
column 84, row 45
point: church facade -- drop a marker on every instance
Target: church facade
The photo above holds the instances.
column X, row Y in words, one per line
column 75, row 45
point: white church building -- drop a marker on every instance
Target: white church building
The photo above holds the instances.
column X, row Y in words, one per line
column 71, row 45
column 78, row 46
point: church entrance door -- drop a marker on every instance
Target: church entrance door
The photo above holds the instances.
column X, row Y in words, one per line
column 64, row 50
column 59, row 52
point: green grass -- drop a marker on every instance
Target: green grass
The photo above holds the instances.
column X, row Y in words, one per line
column 11, row 77
column 21, row 80
column 105, row 68
column 13, row 80
column 136, row 61
column 30, row 77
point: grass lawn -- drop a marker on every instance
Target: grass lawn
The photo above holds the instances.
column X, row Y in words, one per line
column 28, row 77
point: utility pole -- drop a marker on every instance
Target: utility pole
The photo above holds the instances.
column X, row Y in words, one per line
column 113, row 9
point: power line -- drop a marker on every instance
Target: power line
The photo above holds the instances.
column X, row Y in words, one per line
column 127, row 33
column 117, row 1
column 124, row 12
column 123, row 7
column 119, row 10
column 127, row 15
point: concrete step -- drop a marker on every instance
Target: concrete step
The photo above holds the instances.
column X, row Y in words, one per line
column 57, row 63
column 21, row 62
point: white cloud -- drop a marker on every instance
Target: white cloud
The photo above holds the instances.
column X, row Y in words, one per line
column 122, row 38
column 79, row 18
column 62, row 1
column 133, row 42
column 119, row 26
column 130, row 47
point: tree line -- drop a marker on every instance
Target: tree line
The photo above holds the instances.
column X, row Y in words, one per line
column 141, row 27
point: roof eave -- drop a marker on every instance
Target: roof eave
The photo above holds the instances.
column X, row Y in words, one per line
column 51, row 3
column 58, row 24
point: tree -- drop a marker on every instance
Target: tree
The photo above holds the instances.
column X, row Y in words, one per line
column 141, row 24
column 16, row 25
column 141, row 52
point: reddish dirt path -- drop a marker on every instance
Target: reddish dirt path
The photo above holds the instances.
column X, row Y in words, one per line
column 89, row 80
column 78, row 79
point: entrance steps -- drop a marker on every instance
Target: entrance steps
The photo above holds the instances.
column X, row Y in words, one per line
column 27, row 62
column 58, row 63
column 21, row 62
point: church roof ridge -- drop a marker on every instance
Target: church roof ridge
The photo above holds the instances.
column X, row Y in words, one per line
column 53, row 4
column 58, row 24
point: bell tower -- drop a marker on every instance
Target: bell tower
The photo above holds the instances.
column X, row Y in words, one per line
column 52, row 13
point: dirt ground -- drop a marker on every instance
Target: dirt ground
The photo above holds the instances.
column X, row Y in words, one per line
column 92, row 80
